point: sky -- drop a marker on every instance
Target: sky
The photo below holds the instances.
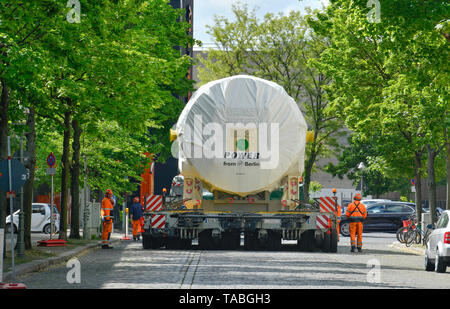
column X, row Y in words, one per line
column 204, row 11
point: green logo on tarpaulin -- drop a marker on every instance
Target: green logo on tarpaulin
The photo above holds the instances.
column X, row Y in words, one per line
column 242, row 144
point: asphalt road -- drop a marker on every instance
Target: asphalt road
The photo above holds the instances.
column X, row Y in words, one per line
column 380, row 265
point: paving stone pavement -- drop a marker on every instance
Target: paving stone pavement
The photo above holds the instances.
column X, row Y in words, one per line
column 129, row 266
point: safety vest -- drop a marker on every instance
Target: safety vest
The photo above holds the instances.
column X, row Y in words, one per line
column 106, row 209
column 356, row 212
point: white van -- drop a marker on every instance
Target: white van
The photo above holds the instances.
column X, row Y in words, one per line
column 40, row 219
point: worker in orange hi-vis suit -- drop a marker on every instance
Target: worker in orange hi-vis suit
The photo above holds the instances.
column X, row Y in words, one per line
column 356, row 214
column 107, row 219
column 136, row 211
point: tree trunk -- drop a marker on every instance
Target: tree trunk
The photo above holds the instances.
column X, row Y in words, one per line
column 307, row 178
column 418, row 183
column 65, row 177
column 447, row 148
column 431, row 182
column 4, row 104
column 29, row 185
column 75, row 181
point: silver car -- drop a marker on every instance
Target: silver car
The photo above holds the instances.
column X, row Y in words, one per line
column 437, row 254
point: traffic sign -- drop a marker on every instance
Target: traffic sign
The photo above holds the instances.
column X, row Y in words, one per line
column 413, row 182
column 51, row 160
column 18, row 175
column 51, row 171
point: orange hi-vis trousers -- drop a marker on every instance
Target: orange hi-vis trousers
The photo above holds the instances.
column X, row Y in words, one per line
column 136, row 227
column 356, row 229
column 106, row 231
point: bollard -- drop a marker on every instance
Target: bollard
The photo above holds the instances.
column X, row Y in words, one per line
column 126, row 226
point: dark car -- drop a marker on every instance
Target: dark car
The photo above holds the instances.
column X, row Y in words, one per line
column 383, row 217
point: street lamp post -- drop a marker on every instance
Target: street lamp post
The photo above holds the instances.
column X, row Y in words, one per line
column 361, row 166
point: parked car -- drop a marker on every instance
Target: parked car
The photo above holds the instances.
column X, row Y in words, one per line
column 40, row 219
column 373, row 201
column 437, row 253
column 407, row 203
column 383, row 216
column 439, row 211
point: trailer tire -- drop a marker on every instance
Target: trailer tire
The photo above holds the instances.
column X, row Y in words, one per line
column 185, row 243
column 334, row 240
column 173, row 243
column 274, row 241
column 306, row 243
column 231, row 240
column 151, row 242
column 251, row 241
column 205, row 240
column 146, row 241
column 326, row 245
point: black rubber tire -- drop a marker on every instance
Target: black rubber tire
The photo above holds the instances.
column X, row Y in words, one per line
column 429, row 266
column 439, row 265
column 306, row 243
column 8, row 228
column 326, row 242
column 251, row 241
column 205, row 241
column 151, row 242
column 273, row 241
column 334, row 241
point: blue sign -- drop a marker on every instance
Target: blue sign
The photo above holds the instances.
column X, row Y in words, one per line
column 18, row 175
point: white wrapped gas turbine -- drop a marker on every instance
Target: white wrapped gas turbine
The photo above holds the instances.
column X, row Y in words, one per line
column 241, row 135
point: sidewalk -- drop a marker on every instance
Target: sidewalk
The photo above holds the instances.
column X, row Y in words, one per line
column 414, row 249
column 57, row 255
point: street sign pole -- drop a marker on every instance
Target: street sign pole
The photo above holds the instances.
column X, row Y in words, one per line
column 85, row 212
column 51, row 208
column 21, row 234
column 51, row 161
column 2, row 235
column 11, row 210
column 11, row 184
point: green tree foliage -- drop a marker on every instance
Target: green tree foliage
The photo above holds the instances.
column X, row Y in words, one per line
column 390, row 77
column 98, row 79
column 377, row 178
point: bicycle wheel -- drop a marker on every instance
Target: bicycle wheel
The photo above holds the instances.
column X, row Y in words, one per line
column 418, row 237
column 409, row 237
column 425, row 237
column 401, row 234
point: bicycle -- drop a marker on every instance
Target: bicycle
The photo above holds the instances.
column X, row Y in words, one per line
column 412, row 232
column 404, row 229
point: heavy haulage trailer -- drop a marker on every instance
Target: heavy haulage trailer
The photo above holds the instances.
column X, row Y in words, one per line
column 243, row 139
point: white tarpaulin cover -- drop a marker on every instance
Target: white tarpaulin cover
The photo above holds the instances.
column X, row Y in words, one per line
column 241, row 135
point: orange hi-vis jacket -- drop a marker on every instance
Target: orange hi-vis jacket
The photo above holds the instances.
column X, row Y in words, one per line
column 356, row 212
column 106, row 209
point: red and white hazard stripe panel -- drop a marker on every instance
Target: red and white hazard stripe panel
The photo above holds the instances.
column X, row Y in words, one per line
column 153, row 203
column 323, row 222
column 326, row 204
column 158, row 221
